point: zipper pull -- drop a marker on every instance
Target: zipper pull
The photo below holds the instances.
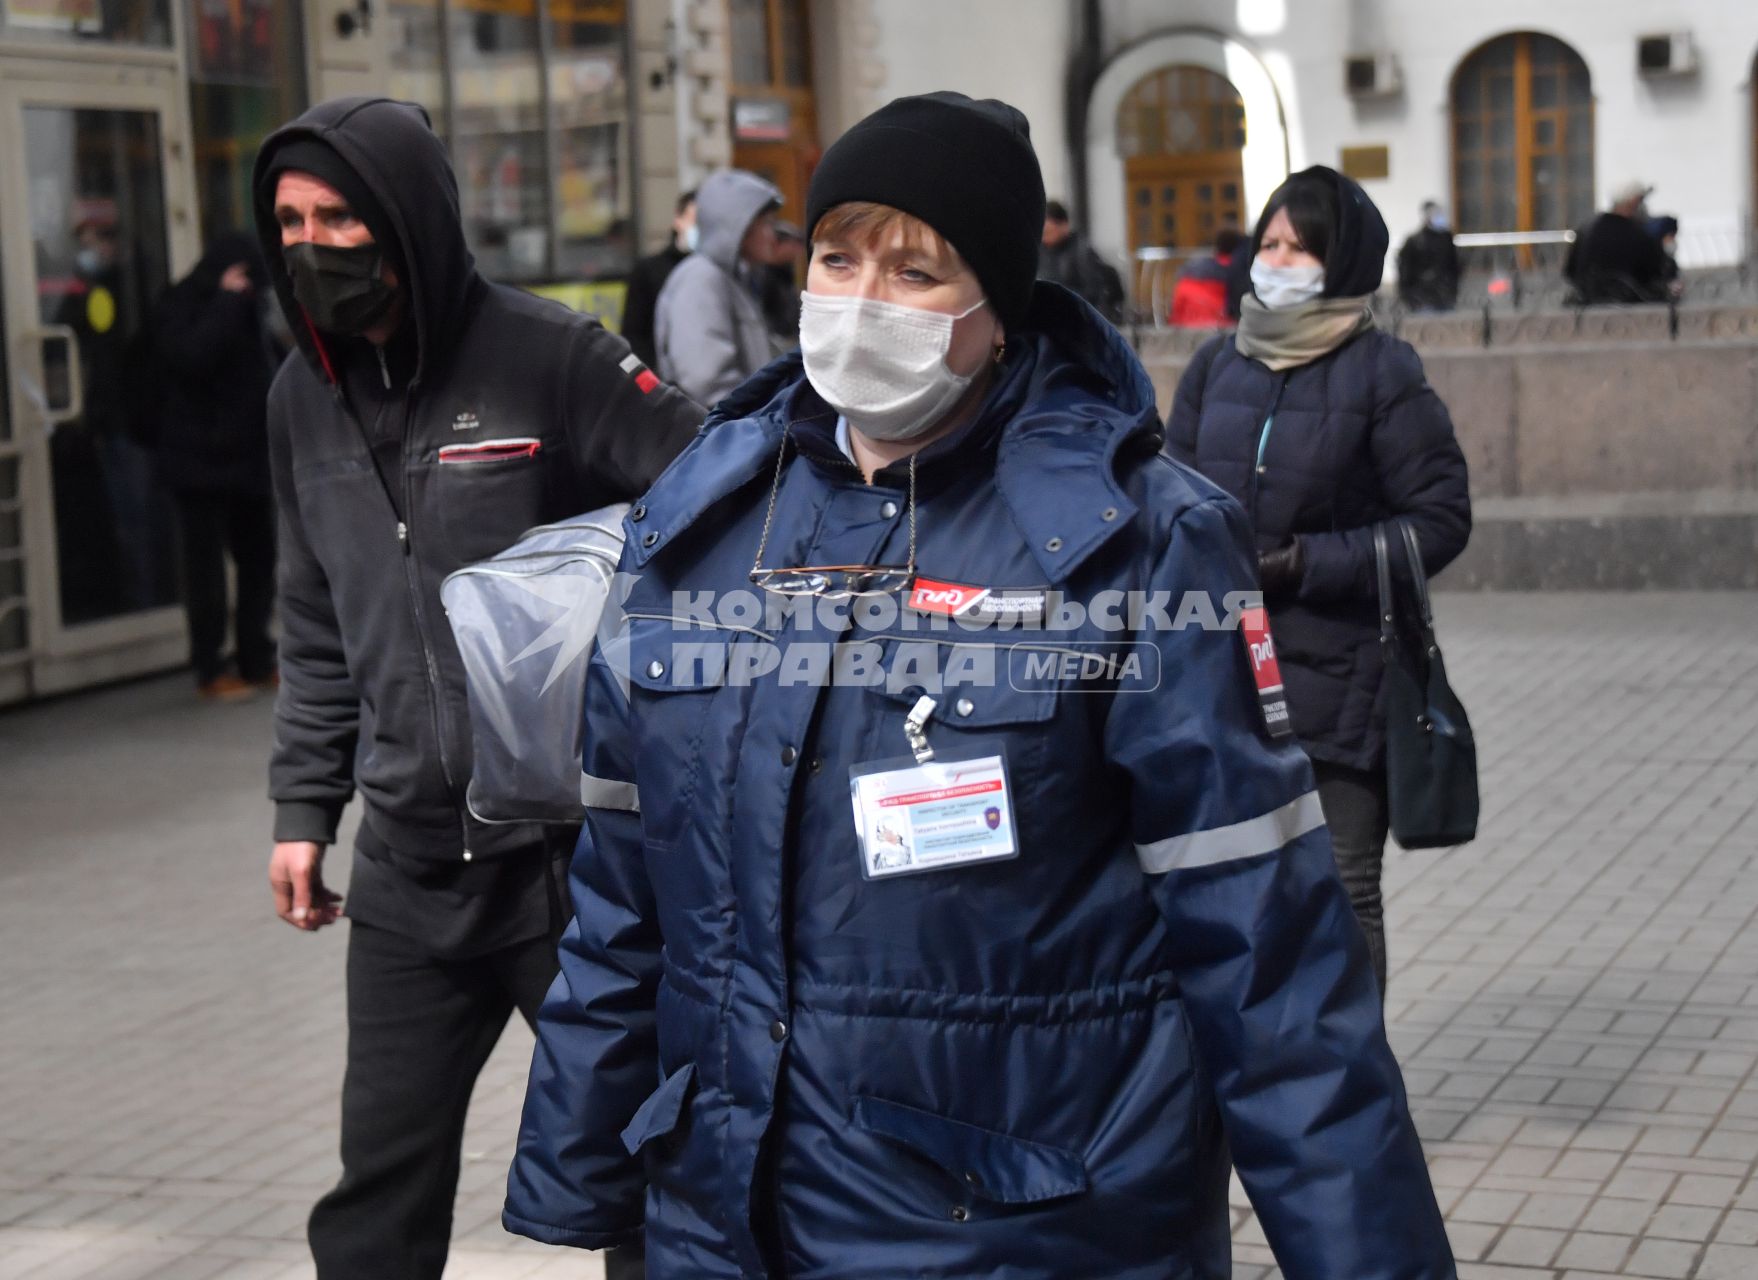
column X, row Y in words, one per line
column 403, row 536
column 384, row 368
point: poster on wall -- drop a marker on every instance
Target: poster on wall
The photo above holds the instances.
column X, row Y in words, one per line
column 82, row 16
column 233, row 41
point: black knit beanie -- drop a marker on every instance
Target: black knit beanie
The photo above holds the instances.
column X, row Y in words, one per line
column 319, row 159
column 965, row 167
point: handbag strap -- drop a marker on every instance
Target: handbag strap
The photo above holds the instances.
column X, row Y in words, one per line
column 1383, row 564
column 1418, row 581
column 1418, row 575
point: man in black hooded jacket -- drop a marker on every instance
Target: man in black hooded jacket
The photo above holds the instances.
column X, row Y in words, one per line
column 428, row 419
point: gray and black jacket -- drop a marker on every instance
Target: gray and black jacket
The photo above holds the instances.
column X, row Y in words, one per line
column 491, row 411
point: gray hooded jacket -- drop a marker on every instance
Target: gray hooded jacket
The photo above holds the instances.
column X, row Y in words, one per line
column 708, row 326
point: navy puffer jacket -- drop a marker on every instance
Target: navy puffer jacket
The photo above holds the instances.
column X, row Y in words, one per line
column 1322, row 453
column 1037, row 1069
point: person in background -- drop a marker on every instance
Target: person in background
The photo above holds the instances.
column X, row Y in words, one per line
column 1067, row 259
column 1199, row 299
column 1025, row 1029
column 1323, row 426
column 215, row 362
column 779, row 292
column 1666, row 230
column 711, row 333
column 1428, row 264
column 649, row 277
column 1615, row 260
column 428, row 418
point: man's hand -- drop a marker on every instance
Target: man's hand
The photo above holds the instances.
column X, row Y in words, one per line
column 236, row 279
column 296, row 876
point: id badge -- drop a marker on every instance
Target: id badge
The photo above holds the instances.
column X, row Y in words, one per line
column 954, row 811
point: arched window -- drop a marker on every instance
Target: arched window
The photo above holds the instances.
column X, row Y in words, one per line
column 1522, row 136
column 1181, row 132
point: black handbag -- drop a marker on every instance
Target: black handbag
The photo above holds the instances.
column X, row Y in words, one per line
column 1431, row 757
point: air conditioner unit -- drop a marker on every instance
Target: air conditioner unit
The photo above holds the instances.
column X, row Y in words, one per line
column 1668, row 54
column 1372, row 75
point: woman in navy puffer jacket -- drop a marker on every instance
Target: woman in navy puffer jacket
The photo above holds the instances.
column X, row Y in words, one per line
column 1322, row 427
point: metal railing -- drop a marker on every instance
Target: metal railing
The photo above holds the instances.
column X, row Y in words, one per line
column 1502, row 271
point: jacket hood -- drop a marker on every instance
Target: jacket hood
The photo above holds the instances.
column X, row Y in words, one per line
column 391, row 147
column 726, row 205
column 1357, row 261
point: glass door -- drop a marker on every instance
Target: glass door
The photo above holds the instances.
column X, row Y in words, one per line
column 88, row 215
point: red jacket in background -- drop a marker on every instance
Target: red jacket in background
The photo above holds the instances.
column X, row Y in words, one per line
column 1199, row 299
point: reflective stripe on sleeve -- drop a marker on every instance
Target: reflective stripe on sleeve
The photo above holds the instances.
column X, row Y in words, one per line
column 1263, row 834
column 602, row 793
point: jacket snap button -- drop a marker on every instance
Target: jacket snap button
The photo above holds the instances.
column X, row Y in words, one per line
column 639, row 513
column 888, row 510
column 778, row 1031
column 965, row 706
column 655, row 669
column 789, row 755
column 1108, row 514
column 468, row 855
column 650, row 539
column 818, row 765
column 1055, row 544
column 960, row 1213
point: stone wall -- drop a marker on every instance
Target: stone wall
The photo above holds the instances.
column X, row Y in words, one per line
column 1608, row 449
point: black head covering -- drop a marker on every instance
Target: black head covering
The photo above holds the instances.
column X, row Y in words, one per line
column 385, row 159
column 963, row 166
column 308, row 155
column 226, row 250
column 1355, row 263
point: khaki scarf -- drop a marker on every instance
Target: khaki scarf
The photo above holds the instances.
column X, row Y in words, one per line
column 1292, row 336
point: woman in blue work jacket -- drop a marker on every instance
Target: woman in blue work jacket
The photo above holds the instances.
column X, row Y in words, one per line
column 947, row 904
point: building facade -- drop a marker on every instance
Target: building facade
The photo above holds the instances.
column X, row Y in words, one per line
column 1161, row 122
column 128, row 129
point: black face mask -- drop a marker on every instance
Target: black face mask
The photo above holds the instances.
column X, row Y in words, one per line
column 343, row 290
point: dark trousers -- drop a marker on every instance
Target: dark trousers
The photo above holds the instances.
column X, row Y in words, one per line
column 419, row 1031
column 1354, row 802
column 214, row 524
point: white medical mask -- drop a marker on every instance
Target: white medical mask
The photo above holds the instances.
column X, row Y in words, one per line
column 692, row 237
column 1278, row 287
column 880, row 365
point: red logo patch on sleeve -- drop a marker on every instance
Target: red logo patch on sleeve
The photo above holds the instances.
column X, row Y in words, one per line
column 1266, row 672
column 644, row 377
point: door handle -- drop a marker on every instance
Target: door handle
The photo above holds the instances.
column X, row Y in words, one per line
column 74, row 405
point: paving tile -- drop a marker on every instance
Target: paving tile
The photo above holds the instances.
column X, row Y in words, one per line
column 1573, row 997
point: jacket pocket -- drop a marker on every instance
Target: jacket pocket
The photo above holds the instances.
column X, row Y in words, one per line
column 659, row 1116
column 485, row 494
column 981, row 703
column 685, row 741
column 490, row 451
column 992, row 1166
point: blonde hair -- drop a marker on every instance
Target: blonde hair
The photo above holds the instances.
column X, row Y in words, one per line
column 864, row 222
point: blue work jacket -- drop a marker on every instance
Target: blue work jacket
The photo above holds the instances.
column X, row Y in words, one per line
column 1027, row 1068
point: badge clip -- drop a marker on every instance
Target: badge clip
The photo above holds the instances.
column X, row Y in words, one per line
column 914, row 725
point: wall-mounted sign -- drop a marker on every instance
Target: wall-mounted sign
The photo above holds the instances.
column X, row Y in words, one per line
column 762, row 119
column 55, row 15
column 234, row 41
column 1366, row 163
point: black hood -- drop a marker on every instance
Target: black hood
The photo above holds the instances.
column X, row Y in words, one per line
column 225, row 251
column 1357, row 261
column 393, row 150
